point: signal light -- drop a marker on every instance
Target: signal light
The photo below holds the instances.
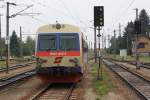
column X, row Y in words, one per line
column 98, row 16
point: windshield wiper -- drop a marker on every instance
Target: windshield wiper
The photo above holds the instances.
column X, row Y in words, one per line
column 48, row 49
column 68, row 49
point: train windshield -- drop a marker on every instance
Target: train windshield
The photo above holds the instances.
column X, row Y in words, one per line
column 47, row 42
column 69, row 42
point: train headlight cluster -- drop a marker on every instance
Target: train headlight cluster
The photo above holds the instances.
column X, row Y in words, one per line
column 40, row 62
column 75, row 61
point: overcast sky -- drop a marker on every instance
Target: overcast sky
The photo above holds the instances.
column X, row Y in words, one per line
column 76, row 12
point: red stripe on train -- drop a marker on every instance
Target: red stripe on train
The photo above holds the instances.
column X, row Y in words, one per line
column 58, row 53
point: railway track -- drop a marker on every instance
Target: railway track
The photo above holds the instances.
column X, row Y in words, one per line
column 138, row 83
column 17, row 66
column 11, row 80
column 144, row 65
column 55, row 92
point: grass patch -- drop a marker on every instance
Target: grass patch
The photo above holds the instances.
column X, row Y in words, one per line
column 103, row 86
column 131, row 58
column 2, row 64
column 15, row 61
column 145, row 59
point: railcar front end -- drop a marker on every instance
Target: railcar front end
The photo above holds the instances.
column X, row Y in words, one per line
column 59, row 57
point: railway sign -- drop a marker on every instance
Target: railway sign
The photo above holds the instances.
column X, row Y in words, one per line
column 7, row 40
column 98, row 35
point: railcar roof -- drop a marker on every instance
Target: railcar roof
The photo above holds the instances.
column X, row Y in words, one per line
column 65, row 28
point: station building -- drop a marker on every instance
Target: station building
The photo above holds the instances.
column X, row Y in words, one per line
column 143, row 45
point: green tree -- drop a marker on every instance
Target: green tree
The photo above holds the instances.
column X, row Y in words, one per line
column 125, row 42
column 143, row 16
column 26, row 50
column 128, row 36
column 29, row 46
column 113, row 45
column 2, row 47
column 14, row 45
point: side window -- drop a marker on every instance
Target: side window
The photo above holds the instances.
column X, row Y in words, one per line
column 141, row 45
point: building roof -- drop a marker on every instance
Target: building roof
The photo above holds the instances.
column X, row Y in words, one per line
column 140, row 35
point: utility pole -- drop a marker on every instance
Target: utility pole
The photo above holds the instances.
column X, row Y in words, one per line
column 1, row 23
column 136, row 9
column 21, row 50
column 91, row 46
column 120, row 42
column 105, row 44
column 0, row 28
column 102, row 44
column 7, row 35
column 7, row 29
column 99, row 35
column 127, row 42
column 99, row 67
column 119, row 29
column 136, row 43
column 108, row 40
column 115, row 42
column 109, row 43
column 95, row 45
column 0, row 34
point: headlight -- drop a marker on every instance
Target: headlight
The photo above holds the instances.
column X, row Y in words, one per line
column 74, row 60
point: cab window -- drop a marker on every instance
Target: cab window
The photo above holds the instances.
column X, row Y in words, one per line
column 47, row 42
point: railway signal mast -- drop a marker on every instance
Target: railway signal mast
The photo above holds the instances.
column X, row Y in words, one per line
column 98, row 23
column 137, row 28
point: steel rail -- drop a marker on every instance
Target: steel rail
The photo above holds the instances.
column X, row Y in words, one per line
column 11, row 80
column 51, row 92
column 139, row 84
column 143, row 65
column 16, row 66
column 69, row 92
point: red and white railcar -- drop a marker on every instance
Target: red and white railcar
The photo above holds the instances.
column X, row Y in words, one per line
column 60, row 53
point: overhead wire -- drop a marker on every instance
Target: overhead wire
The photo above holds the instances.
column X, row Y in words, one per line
column 47, row 7
column 69, row 12
column 65, row 6
column 81, row 21
column 130, row 4
column 37, row 19
column 75, row 17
